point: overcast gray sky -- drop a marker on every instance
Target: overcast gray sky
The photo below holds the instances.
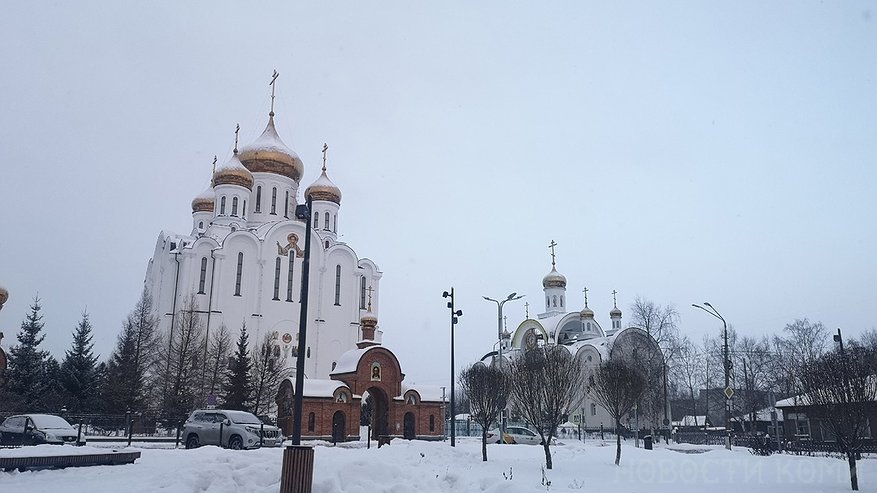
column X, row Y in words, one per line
column 680, row 151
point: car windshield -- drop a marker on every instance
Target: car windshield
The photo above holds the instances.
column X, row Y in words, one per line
column 45, row 421
column 243, row 418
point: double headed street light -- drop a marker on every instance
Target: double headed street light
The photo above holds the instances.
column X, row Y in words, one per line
column 727, row 364
column 499, row 304
column 454, row 320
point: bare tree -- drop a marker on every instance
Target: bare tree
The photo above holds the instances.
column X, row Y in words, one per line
column 802, row 343
column 660, row 323
column 754, row 371
column 617, row 386
column 546, row 384
column 218, row 350
column 181, row 377
column 840, row 389
column 267, row 374
column 488, row 390
column 690, row 373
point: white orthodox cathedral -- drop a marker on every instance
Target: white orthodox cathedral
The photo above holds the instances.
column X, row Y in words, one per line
column 582, row 335
column 242, row 259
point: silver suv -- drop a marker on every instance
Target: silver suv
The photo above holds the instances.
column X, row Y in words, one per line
column 233, row 429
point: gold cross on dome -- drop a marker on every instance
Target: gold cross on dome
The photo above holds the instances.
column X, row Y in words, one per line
column 551, row 246
column 325, row 148
column 370, row 290
column 237, row 130
column 614, row 300
column 586, row 296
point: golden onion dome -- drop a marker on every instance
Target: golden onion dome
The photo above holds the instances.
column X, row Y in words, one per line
column 324, row 189
column 554, row 279
column 233, row 173
column 205, row 201
column 586, row 313
column 368, row 319
column 615, row 312
column 268, row 154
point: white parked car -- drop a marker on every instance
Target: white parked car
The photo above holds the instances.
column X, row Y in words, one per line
column 239, row 430
column 516, row 434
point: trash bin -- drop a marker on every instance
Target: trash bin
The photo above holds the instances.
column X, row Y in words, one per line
column 647, row 442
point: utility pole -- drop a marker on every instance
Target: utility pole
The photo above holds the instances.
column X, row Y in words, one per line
column 454, row 320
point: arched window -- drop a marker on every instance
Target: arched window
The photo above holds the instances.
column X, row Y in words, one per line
column 589, row 326
column 203, row 278
column 234, row 206
column 286, row 206
column 335, row 224
column 289, row 276
column 244, row 212
column 316, row 220
column 561, row 301
column 200, row 224
column 327, row 221
column 312, row 419
column 337, row 285
column 547, row 303
column 554, row 298
column 237, row 277
column 259, row 198
column 276, row 279
column 593, row 409
column 222, row 206
column 431, row 422
column 274, row 200
column 362, row 292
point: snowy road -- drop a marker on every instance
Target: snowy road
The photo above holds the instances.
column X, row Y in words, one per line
column 436, row 467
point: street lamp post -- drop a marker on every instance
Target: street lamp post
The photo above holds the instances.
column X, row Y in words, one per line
column 727, row 364
column 454, row 320
column 499, row 304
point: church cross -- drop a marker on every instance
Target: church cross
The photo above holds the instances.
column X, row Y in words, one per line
column 369, row 289
column 214, row 163
column 614, row 301
column 551, row 246
column 273, row 79
column 586, row 296
column 237, row 130
column 325, row 148
column 527, row 309
column 505, row 323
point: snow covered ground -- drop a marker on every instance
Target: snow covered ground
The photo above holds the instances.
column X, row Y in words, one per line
column 427, row 467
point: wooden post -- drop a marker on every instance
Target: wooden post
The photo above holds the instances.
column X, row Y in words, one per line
column 297, row 473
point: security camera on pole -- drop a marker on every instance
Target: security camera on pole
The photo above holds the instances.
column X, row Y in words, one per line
column 454, row 320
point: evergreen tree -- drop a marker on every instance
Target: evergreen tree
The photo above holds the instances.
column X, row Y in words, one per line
column 53, row 400
column 238, row 388
column 27, row 363
column 79, row 370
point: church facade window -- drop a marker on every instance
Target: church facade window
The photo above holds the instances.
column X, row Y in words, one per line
column 222, row 206
column 561, row 301
column 289, row 276
column 312, row 419
column 555, row 300
column 547, row 303
column 316, row 220
column 276, row 279
column 286, row 206
column 200, row 224
column 234, row 206
column 593, row 409
column 244, row 211
column 335, row 224
column 337, row 285
column 326, row 217
column 237, row 277
column 259, row 198
column 203, row 279
column 274, row 200
column 362, row 293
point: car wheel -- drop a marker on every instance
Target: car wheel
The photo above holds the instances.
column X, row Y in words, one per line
column 235, row 443
column 192, row 441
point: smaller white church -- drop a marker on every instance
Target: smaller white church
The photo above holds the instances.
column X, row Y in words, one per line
column 242, row 259
column 581, row 334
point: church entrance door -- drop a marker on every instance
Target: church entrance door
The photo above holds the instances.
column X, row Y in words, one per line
column 339, row 425
column 380, row 412
column 409, row 433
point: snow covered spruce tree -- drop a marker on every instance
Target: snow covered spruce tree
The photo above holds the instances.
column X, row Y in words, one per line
column 79, row 371
column 131, row 368
column 27, row 365
column 487, row 388
column 617, row 386
column 266, row 375
column 546, row 384
column 238, row 388
column 840, row 389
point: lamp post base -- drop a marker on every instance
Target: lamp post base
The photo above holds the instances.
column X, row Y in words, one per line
column 297, row 472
